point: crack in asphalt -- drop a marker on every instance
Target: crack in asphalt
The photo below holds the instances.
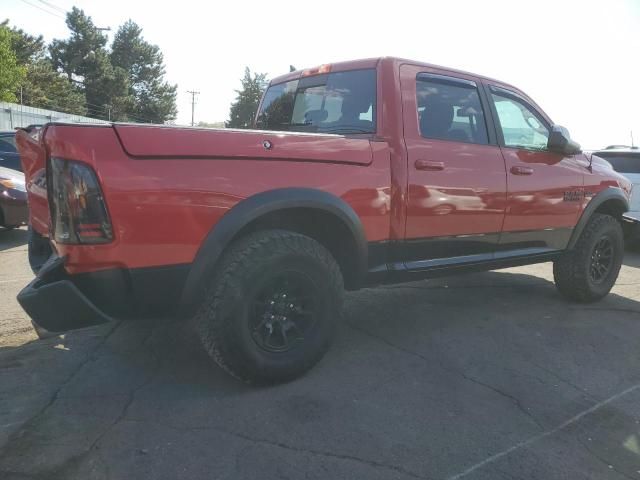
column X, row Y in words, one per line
column 60, row 471
column 271, row 443
column 91, row 356
column 563, row 380
column 514, row 400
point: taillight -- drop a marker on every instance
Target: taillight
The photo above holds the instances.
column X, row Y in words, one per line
column 78, row 211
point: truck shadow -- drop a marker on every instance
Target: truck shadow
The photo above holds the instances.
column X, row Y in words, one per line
column 417, row 313
column 13, row 238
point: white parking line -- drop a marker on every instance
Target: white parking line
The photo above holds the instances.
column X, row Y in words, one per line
column 540, row 436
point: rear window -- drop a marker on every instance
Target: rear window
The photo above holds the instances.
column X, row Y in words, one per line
column 341, row 102
column 623, row 163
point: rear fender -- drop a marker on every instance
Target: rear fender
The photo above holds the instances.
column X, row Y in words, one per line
column 259, row 205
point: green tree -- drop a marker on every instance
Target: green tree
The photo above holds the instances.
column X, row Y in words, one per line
column 43, row 87
column 11, row 72
column 153, row 99
column 27, row 48
column 78, row 55
column 84, row 59
column 243, row 110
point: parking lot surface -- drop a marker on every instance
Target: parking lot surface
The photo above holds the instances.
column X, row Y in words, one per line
column 485, row 376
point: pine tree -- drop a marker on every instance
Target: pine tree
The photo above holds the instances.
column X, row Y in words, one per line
column 84, row 59
column 243, row 110
column 153, row 99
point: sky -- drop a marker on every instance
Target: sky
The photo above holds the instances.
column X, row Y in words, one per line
column 578, row 59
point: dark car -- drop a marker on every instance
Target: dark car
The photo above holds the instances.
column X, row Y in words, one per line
column 626, row 160
column 9, row 156
column 13, row 198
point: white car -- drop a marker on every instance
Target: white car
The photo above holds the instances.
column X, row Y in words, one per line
column 626, row 160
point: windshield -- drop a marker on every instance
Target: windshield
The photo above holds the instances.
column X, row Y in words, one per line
column 341, row 102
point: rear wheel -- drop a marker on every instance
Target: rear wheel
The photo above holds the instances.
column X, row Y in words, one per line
column 272, row 307
column 588, row 272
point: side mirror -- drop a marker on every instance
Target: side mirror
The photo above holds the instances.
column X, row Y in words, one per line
column 560, row 141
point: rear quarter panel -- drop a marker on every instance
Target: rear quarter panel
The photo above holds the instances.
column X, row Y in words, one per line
column 162, row 208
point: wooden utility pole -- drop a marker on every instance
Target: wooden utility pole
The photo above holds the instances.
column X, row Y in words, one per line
column 193, row 104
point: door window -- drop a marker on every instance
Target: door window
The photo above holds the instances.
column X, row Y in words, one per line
column 450, row 111
column 521, row 126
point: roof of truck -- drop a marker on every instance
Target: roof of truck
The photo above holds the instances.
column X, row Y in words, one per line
column 373, row 62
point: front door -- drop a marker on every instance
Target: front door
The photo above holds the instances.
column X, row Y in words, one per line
column 544, row 188
column 456, row 172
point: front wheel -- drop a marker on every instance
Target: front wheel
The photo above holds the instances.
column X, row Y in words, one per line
column 272, row 307
column 588, row 271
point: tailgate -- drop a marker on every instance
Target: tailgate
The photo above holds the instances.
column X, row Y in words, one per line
column 174, row 142
column 33, row 156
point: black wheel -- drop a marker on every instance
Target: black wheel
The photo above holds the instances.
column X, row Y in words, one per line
column 272, row 307
column 588, row 272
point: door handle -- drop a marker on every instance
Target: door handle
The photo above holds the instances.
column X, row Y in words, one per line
column 520, row 170
column 428, row 165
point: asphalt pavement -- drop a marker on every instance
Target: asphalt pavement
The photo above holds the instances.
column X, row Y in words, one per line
column 484, row 376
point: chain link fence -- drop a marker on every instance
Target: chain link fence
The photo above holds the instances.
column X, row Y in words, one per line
column 13, row 115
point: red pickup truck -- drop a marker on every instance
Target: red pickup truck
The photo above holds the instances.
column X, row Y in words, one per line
column 356, row 174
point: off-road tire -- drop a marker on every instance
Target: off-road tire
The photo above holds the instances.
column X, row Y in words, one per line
column 223, row 320
column 571, row 272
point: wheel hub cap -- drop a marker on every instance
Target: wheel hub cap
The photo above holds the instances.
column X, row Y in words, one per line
column 283, row 312
column 601, row 260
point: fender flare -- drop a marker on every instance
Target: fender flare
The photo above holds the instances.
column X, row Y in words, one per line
column 256, row 206
column 609, row 193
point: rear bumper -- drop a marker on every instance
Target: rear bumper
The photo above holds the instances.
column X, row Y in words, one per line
column 56, row 304
column 57, row 301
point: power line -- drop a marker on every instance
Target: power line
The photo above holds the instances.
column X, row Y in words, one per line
column 51, row 5
column 193, row 103
column 43, row 9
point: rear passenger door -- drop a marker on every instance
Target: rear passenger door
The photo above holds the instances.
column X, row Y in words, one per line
column 456, row 173
column 544, row 188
